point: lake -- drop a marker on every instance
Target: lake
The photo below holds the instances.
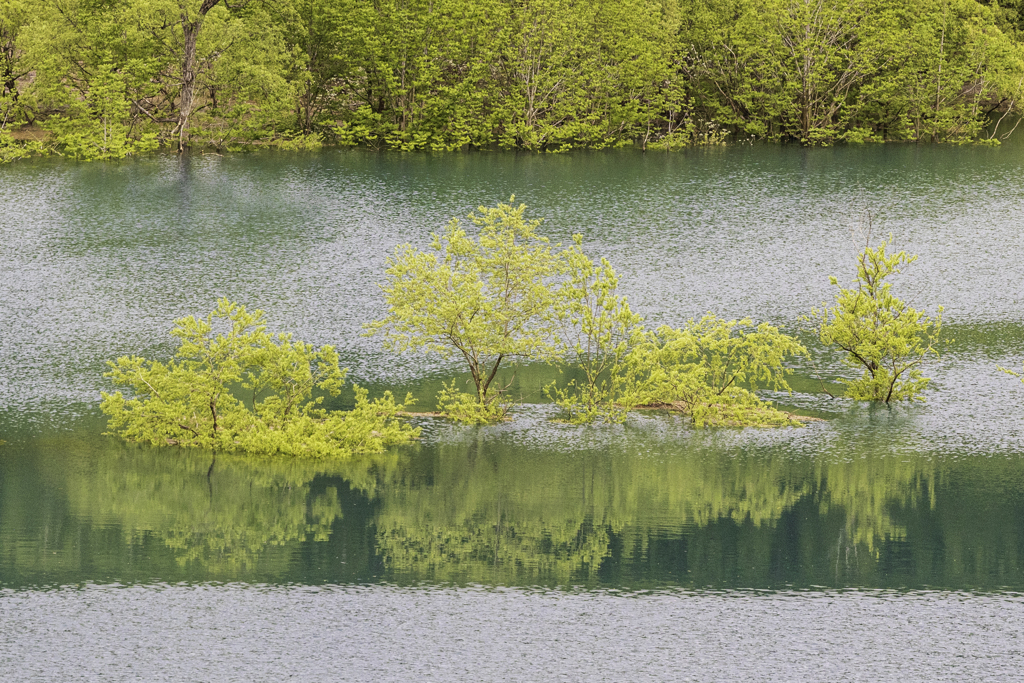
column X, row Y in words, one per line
column 879, row 542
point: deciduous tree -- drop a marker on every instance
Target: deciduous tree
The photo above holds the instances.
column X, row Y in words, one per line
column 596, row 332
column 487, row 299
column 239, row 388
column 879, row 333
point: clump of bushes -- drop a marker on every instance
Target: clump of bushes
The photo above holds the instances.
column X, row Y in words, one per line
column 710, row 369
column 503, row 296
column 232, row 386
column 509, row 294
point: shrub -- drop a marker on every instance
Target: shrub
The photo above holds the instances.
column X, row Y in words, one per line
column 710, row 370
column 879, row 333
column 242, row 389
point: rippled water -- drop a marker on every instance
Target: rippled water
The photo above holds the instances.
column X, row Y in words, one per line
column 529, row 550
column 382, row 633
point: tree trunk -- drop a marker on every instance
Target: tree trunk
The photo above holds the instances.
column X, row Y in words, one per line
column 190, row 26
column 7, row 75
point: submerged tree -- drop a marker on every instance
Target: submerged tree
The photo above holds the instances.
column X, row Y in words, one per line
column 711, row 368
column 488, row 300
column 243, row 389
column 509, row 295
column 597, row 332
column 879, row 333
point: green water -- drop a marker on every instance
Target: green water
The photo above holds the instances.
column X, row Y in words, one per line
column 648, row 505
column 99, row 259
column 878, row 543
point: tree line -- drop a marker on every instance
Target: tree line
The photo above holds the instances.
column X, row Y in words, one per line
column 105, row 78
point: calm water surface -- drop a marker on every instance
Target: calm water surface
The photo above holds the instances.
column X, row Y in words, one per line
column 882, row 542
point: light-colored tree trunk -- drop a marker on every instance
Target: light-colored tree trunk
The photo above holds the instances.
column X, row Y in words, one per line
column 190, row 25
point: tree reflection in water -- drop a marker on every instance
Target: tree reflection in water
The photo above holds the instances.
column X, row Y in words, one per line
column 508, row 506
column 489, row 511
column 219, row 516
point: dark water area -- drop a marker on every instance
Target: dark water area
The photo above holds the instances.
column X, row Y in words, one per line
column 876, row 543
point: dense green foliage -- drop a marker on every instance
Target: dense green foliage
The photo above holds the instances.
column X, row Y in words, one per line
column 710, row 370
column 111, row 79
column 242, row 389
column 879, row 333
column 509, row 296
column 488, row 300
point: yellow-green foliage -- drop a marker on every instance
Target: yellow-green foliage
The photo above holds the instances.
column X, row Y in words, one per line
column 488, row 300
column 1012, row 373
column 242, row 389
column 467, row 408
column 597, row 330
column 710, row 369
column 880, row 333
column 11, row 149
column 509, row 294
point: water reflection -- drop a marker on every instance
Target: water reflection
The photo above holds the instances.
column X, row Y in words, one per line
column 489, row 506
column 221, row 516
column 128, row 513
column 489, row 511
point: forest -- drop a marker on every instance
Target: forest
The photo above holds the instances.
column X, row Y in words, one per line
column 102, row 79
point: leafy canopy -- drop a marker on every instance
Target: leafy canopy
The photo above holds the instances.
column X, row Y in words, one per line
column 487, row 300
column 596, row 332
column 710, row 370
column 879, row 333
column 243, row 389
